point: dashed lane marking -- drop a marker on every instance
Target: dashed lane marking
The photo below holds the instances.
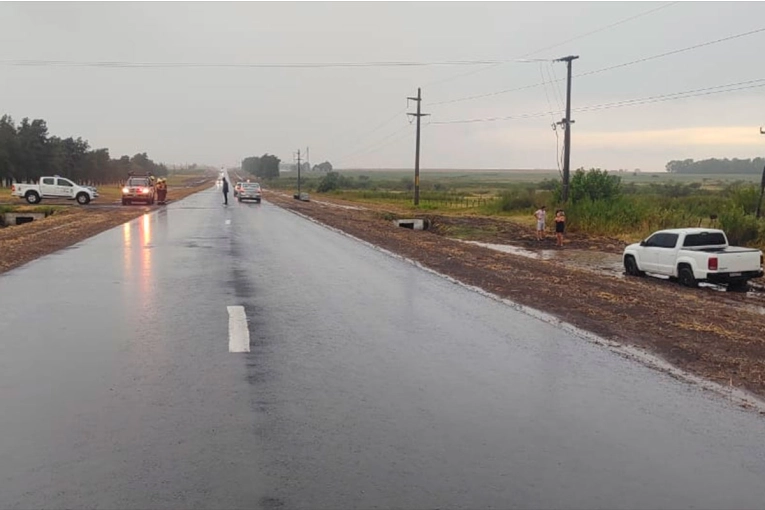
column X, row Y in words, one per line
column 238, row 332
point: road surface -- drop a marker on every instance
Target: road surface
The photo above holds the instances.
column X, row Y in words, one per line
column 369, row 383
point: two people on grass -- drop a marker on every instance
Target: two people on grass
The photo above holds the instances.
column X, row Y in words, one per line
column 560, row 224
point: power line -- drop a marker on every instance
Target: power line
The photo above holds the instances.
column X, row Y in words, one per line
column 248, row 65
column 581, row 36
column 604, row 69
column 401, row 2
column 377, row 128
column 366, row 148
column 674, row 52
column 706, row 91
column 377, row 147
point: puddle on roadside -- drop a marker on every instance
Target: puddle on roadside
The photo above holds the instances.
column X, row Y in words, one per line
column 604, row 263
column 608, row 264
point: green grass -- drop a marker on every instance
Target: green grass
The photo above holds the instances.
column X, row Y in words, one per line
column 648, row 201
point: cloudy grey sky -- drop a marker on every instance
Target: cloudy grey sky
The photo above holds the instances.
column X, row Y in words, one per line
column 355, row 117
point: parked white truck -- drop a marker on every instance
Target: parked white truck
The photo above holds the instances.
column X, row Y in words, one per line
column 54, row 187
column 693, row 255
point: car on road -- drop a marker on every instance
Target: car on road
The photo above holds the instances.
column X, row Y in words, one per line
column 693, row 255
column 53, row 187
column 249, row 191
column 138, row 189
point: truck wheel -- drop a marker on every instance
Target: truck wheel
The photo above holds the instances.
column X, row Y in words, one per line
column 83, row 198
column 32, row 197
column 685, row 275
column 631, row 267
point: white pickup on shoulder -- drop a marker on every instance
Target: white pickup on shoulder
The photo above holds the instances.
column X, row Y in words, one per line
column 238, row 332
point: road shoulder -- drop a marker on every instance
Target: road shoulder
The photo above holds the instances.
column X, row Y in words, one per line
column 696, row 331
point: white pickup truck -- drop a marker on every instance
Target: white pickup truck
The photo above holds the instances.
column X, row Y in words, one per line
column 54, row 187
column 693, row 255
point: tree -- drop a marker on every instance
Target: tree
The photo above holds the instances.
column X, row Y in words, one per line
column 716, row 166
column 323, row 167
column 595, row 184
column 264, row 167
column 27, row 153
column 32, row 158
column 8, row 150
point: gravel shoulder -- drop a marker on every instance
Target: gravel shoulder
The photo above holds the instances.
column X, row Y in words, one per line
column 708, row 333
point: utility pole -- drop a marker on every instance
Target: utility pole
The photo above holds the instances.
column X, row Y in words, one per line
column 419, row 115
column 566, row 123
column 298, row 166
column 762, row 184
column 307, row 159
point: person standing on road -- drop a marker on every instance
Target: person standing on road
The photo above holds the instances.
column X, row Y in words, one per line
column 560, row 226
column 225, row 191
column 161, row 190
column 540, row 215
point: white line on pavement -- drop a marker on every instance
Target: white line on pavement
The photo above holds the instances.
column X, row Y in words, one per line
column 238, row 333
column 228, row 222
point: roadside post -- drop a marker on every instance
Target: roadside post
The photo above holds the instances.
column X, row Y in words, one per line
column 762, row 185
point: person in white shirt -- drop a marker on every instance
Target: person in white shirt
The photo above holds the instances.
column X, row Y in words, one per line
column 540, row 215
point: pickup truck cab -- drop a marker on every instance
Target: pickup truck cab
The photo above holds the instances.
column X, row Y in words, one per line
column 54, row 187
column 693, row 255
column 138, row 188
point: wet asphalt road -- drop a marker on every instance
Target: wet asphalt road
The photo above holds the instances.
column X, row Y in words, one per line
column 370, row 384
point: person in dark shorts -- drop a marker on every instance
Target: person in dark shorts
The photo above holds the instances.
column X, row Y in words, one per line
column 560, row 226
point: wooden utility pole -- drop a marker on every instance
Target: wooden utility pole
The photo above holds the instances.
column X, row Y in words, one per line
column 762, row 184
column 418, row 115
column 566, row 123
column 298, row 168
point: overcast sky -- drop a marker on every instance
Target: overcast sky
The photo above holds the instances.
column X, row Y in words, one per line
column 356, row 117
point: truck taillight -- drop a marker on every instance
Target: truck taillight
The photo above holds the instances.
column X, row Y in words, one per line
column 13, row 188
column 712, row 264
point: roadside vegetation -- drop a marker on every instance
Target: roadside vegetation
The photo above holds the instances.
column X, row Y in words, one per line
column 28, row 152
column 627, row 205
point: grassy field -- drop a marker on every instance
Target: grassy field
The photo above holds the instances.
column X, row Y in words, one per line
column 645, row 202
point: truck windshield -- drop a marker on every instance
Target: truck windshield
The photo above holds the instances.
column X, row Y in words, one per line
column 704, row 239
column 138, row 182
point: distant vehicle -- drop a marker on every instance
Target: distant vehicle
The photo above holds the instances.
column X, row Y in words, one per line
column 54, row 187
column 237, row 188
column 138, row 189
column 249, row 191
column 693, row 255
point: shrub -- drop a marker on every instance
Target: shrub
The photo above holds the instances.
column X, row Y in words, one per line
column 740, row 227
column 594, row 184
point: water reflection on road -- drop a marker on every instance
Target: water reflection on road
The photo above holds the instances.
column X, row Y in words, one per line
column 137, row 258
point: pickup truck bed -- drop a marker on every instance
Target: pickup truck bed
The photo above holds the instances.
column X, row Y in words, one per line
column 694, row 255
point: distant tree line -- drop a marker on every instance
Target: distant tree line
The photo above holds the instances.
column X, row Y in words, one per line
column 323, row 167
column 28, row 152
column 716, row 166
column 265, row 166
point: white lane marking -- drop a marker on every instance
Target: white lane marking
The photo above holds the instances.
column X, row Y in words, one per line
column 228, row 222
column 238, row 333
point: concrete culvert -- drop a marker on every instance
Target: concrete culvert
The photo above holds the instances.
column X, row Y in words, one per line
column 414, row 224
